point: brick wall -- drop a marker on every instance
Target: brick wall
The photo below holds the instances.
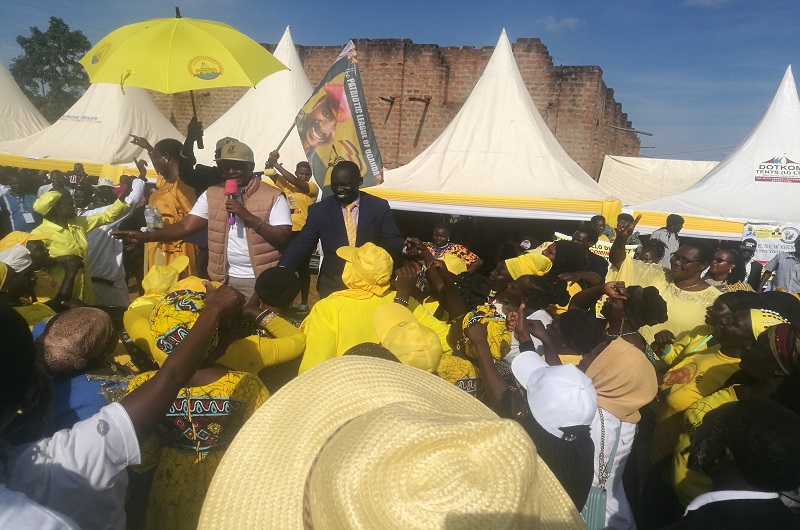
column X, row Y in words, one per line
column 401, row 77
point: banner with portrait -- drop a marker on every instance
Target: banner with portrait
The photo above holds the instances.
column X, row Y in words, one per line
column 334, row 124
column 771, row 239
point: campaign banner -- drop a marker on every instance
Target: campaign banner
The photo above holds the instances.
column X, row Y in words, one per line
column 334, row 124
column 771, row 239
column 601, row 248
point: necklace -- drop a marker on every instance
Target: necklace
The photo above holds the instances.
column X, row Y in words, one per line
column 621, row 334
column 702, row 281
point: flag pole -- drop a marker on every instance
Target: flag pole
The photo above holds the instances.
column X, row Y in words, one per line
column 285, row 136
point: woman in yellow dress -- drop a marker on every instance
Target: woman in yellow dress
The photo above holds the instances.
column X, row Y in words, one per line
column 174, row 200
column 681, row 286
column 201, row 423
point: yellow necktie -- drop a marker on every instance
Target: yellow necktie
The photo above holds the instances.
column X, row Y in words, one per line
column 350, row 225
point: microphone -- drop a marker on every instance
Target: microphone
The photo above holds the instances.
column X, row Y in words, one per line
column 232, row 191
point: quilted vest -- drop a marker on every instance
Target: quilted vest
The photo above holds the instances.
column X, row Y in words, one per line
column 259, row 199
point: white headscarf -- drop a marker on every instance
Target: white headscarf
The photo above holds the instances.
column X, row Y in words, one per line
column 17, row 257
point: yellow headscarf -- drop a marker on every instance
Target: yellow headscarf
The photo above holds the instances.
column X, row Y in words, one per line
column 45, row 203
column 764, row 318
column 367, row 271
column 535, row 264
column 3, row 274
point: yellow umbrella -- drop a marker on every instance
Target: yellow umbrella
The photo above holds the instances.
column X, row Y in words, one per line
column 178, row 54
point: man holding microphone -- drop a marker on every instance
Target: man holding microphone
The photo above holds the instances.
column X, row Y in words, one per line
column 249, row 223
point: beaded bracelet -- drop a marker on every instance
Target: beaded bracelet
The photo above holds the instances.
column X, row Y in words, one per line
column 265, row 318
column 401, row 301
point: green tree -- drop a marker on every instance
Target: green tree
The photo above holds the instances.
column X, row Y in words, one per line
column 48, row 69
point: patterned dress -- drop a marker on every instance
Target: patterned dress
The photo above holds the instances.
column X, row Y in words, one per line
column 190, row 443
column 459, row 251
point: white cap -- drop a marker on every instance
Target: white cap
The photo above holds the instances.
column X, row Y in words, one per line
column 105, row 182
column 558, row 396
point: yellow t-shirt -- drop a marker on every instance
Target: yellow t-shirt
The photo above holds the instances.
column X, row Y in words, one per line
column 693, row 378
column 689, row 484
column 298, row 200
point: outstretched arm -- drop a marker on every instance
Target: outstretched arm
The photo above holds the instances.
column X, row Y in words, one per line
column 191, row 224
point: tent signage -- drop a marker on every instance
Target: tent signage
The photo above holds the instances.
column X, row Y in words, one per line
column 771, row 239
column 778, row 169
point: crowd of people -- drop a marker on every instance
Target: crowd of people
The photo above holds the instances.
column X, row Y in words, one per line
column 168, row 365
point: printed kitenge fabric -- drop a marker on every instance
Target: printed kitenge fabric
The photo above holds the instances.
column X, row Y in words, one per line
column 459, row 251
column 186, row 452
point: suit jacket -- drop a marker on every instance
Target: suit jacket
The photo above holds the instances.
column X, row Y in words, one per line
column 739, row 514
column 325, row 223
column 754, row 278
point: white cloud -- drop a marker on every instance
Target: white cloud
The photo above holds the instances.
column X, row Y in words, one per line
column 706, row 3
column 555, row 25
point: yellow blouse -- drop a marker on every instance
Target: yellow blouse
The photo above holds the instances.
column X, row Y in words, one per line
column 685, row 309
column 72, row 241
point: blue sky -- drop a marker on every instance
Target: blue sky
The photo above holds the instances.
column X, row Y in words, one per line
column 695, row 73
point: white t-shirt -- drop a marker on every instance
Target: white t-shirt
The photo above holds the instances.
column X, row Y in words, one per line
column 78, row 473
column 239, row 264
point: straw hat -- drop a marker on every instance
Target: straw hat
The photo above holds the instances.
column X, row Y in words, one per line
column 384, row 446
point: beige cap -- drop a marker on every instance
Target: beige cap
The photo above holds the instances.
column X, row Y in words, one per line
column 236, row 151
column 224, row 141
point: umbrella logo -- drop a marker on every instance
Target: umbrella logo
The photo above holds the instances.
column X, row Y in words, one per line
column 205, row 68
column 99, row 54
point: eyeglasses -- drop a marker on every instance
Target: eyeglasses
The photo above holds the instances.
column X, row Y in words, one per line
column 720, row 260
column 682, row 260
column 236, row 165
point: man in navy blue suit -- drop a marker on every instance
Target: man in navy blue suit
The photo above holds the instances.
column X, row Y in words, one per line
column 348, row 217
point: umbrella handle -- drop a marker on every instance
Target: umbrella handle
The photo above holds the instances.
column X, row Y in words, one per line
column 194, row 113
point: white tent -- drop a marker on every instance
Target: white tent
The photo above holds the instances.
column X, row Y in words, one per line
column 635, row 180
column 18, row 117
column 94, row 131
column 265, row 113
column 758, row 181
column 497, row 158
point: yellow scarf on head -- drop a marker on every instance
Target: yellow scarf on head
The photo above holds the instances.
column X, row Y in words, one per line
column 535, row 264
column 357, row 287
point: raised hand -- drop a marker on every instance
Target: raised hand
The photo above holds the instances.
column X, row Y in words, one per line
column 624, row 229
column 222, row 299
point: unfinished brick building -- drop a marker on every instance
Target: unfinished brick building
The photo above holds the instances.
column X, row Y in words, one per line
column 414, row 91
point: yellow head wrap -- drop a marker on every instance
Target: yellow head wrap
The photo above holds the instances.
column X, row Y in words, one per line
column 535, row 264
column 367, row 271
column 763, row 319
column 45, row 203
column 3, row 274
